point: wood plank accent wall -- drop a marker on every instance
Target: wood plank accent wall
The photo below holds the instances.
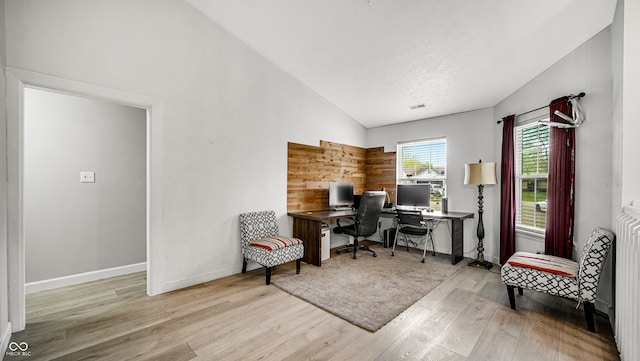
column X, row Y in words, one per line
column 381, row 171
column 310, row 169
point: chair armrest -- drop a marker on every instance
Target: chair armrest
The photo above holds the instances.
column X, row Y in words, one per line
column 350, row 218
column 356, row 224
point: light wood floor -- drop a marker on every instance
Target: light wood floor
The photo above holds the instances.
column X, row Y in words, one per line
column 240, row 318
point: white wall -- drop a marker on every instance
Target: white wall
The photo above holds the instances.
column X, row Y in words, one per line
column 617, row 46
column 219, row 144
column 103, row 223
column 5, row 329
column 626, row 92
column 470, row 137
column 588, row 69
column 630, row 109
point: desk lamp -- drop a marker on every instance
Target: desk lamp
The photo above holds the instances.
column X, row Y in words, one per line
column 480, row 174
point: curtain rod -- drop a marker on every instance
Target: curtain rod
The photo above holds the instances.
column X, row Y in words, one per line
column 571, row 96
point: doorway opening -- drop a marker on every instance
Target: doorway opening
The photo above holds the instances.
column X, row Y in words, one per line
column 20, row 82
column 84, row 189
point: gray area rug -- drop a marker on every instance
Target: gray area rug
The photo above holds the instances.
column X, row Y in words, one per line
column 369, row 291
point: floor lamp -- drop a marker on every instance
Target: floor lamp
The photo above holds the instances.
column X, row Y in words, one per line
column 480, row 174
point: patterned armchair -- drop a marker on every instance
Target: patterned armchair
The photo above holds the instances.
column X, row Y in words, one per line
column 262, row 244
column 560, row 276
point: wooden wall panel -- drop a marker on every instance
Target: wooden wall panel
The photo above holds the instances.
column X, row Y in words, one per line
column 381, row 171
column 301, row 191
column 310, row 169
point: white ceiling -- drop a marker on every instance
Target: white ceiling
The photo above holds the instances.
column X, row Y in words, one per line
column 374, row 59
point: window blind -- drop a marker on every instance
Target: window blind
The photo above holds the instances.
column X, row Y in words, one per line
column 532, row 164
column 422, row 160
column 534, row 149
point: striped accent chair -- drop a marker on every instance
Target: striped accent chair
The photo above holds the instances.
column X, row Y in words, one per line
column 560, row 276
column 262, row 243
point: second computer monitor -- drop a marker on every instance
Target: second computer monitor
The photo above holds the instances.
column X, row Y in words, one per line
column 413, row 196
column 340, row 195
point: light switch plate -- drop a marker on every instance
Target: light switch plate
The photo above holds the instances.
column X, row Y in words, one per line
column 87, row 177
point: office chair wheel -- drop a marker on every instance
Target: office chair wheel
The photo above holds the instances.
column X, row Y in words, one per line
column 422, row 260
column 392, row 254
column 375, row 255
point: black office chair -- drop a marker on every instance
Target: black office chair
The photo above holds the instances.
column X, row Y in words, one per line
column 412, row 223
column 365, row 223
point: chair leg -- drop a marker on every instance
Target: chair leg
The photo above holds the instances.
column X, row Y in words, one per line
column 512, row 297
column 395, row 240
column 433, row 246
column 268, row 270
column 244, row 265
column 364, row 247
column 355, row 246
column 346, row 247
column 424, row 251
column 298, row 266
column 589, row 310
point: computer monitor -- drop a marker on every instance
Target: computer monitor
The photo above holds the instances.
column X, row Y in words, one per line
column 340, row 195
column 413, row 196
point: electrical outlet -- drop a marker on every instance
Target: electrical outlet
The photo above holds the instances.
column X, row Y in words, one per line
column 87, row 177
column 379, row 224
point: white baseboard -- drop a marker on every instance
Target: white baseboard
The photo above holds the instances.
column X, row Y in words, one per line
column 83, row 277
column 603, row 306
column 205, row 277
column 6, row 337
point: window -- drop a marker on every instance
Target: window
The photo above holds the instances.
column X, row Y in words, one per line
column 532, row 168
column 424, row 162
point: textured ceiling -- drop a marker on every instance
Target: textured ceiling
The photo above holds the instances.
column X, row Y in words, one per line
column 375, row 59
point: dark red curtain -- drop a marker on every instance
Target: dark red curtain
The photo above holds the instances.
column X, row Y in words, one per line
column 507, row 192
column 561, row 185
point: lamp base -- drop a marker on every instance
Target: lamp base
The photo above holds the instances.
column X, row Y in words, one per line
column 481, row 264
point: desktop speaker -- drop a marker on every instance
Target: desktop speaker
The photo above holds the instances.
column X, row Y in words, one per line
column 387, row 237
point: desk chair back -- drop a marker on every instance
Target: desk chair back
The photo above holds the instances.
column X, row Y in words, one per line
column 365, row 222
column 411, row 219
column 412, row 223
column 369, row 212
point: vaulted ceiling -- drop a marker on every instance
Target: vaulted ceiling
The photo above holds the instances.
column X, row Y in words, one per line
column 378, row 59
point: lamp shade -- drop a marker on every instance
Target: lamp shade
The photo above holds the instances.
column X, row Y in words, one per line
column 480, row 173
